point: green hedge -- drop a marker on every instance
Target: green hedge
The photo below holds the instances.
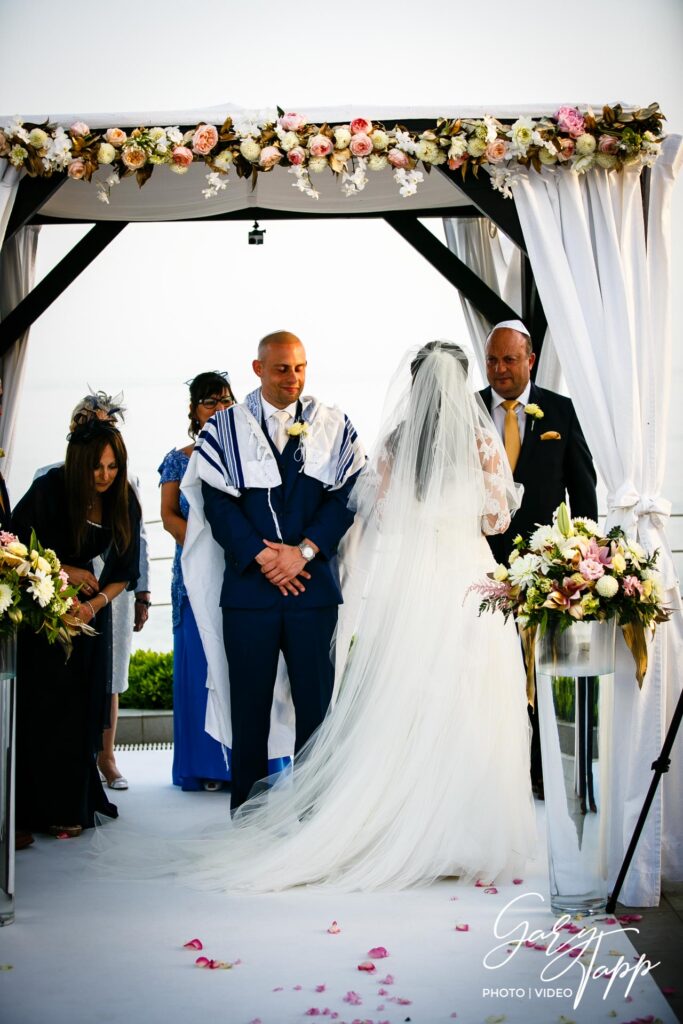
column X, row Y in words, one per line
column 150, row 682
column 564, row 689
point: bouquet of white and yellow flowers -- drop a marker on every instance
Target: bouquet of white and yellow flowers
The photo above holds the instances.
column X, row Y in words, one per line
column 569, row 572
column 35, row 592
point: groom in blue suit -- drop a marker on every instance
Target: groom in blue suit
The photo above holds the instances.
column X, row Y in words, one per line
column 281, row 588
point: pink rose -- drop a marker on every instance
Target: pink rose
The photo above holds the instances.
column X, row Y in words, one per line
column 496, row 151
column 204, row 139
column 571, row 121
column 320, row 145
column 567, row 148
column 269, row 156
column 76, row 169
column 297, row 155
column 397, row 158
column 361, row 145
column 456, row 161
column 79, row 128
column 361, row 126
column 134, row 157
column 182, row 156
column 590, row 569
column 608, row 144
column 291, row 122
column 115, row 136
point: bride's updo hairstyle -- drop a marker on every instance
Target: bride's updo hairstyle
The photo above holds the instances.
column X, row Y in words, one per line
column 438, row 346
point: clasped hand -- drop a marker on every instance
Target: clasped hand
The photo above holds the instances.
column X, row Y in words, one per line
column 282, row 565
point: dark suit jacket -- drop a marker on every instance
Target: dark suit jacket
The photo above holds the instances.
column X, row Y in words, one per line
column 5, row 507
column 551, row 471
column 304, row 508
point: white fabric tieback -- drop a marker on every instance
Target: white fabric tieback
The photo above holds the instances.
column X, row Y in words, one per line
column 645, row 516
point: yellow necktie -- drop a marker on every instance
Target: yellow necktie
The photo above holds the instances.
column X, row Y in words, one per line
column 511, row 438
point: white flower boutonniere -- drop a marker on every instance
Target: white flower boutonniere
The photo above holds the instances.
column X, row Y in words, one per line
column 298, row 429
column 535, row 412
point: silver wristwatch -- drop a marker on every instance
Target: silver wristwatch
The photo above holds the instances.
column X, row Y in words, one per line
column 306, row 550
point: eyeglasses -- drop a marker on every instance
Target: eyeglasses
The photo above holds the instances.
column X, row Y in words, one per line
column 211, row 403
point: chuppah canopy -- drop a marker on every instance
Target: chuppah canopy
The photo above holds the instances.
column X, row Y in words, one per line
column 571, row 188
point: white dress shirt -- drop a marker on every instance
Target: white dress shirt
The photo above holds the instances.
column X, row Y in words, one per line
column 272, row 422
column 498, row 412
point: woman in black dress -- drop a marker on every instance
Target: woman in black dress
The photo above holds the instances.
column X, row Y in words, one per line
column 81, row 509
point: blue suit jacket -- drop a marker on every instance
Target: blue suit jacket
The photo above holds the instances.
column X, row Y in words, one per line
column 304, row 508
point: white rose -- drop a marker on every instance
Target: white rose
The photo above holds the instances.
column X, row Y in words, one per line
column 476, row 147
column 42, row 564
column 156, row 133
column 607, row 586
column 5, row 597
column 106, row 153
column 342, row 137
column 38, row 138
column 380, row 139
column 501, row 573
column 318, row 164
column 377, row 162
column 585, row 145
column 427, row 150
column 250, row 150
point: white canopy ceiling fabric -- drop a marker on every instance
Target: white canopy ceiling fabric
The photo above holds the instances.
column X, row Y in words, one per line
column 169, row 196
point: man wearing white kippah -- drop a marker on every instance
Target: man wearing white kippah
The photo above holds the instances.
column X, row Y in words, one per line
column 545, row 445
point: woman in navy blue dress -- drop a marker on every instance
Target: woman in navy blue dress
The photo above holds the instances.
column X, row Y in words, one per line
column 199, row 761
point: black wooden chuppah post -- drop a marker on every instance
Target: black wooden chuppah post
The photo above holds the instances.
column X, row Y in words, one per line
column 31, row 197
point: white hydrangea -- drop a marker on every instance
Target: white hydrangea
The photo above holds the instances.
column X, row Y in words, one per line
column 523, row 570
column 289, row 140
column 607, row 586
column 250, row 150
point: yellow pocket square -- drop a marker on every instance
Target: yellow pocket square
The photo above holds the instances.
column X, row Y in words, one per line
column 551, row 435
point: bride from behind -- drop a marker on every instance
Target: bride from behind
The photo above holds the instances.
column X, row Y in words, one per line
column 421, row 767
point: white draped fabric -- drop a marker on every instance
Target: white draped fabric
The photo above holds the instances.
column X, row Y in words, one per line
column 497, row 262
column 603, row 274
column 17, row 272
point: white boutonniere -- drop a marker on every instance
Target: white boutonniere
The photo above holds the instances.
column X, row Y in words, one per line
column 535, row 412
column 298, row 429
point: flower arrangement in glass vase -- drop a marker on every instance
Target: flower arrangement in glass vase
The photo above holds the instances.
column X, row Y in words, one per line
column 569, row 572
column 35, row 593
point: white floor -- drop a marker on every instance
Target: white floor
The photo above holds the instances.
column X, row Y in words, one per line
column 84, row 949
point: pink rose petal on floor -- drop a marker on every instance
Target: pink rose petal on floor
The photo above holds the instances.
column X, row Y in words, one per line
column 256, row 1020
column 353, row 998
column 367, row 965
column 378, row 953
column 313, row 1012
column 517, row 881
column 453, row 898
column 334, row 928
column 202, row 961
column 193, row 944
column 278, row 989
column 320, row 988
column 380, row 1007
column 297, row 988
column 389, row 980
column 382, row 992
column 491, row 889
column 465, row 928
column 236, row 963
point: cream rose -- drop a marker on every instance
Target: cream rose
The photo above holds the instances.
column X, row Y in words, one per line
column 79, row 128
column 204, row 139
column 76, row 169
column 380, row 140
column 496, row 151
column 320, row 145
column 585, row 145
column 427, row 150
column 342, row 137
column 134, row 157
column 500, row 573
column 38, row 138
column 182, row 156
column 105, row 153
column 115, row 137
column 269, row 157
column 361, row 144
column 250, row 150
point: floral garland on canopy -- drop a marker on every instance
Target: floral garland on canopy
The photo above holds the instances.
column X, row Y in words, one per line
column 253, row 144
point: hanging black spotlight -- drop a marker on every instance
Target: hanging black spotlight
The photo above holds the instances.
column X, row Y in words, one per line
column 256, row 234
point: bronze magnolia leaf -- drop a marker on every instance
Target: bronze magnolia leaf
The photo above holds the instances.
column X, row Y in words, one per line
column 144, row 174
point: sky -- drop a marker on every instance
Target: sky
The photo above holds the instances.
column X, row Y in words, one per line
column 164, row 302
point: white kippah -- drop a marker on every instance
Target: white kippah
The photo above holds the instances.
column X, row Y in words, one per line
column 511, row 325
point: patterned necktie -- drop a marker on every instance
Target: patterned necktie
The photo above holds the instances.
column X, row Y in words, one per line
column 511, row 438
column 282, row 417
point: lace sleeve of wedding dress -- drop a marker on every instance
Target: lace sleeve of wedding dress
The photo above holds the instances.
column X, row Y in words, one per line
column 497, row 513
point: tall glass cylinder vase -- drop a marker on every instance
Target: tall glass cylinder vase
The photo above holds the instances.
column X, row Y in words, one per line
column 8, row 662
column 574, row 694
